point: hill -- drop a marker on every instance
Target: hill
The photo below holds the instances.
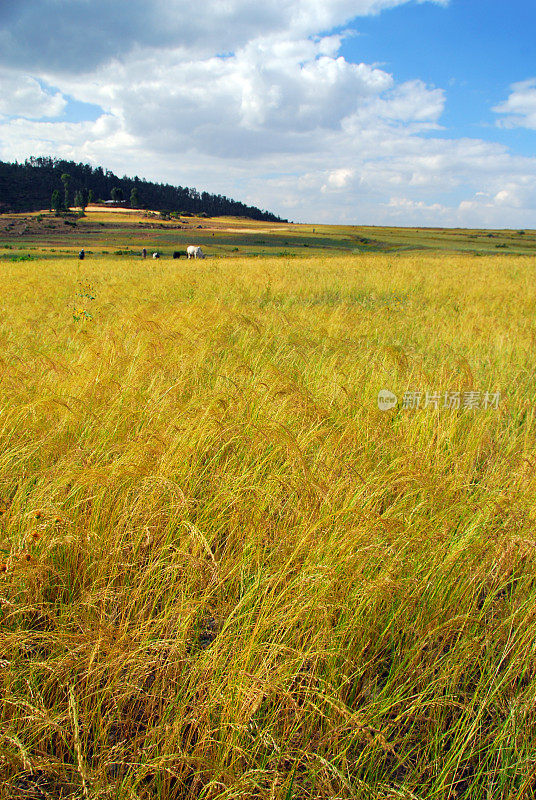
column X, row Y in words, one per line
column 29, row 186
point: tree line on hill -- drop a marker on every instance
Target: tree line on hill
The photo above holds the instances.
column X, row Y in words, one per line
column 47, row 182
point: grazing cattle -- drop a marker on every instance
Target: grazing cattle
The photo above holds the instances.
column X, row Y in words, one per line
column 156, row 255
column 177, row 254
column 194, row 252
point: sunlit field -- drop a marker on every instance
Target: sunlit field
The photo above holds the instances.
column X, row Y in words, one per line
column 226, row 573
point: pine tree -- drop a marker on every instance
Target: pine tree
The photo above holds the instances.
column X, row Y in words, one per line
column 55, row 202
column 66, row 180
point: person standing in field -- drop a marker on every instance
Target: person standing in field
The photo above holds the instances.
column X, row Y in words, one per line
column 81, row 254
column 144, row 253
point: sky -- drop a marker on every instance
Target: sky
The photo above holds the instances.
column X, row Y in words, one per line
column 373, row 112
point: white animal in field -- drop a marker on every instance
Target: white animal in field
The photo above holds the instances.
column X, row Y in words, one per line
column 156, row 255
column 194, row 252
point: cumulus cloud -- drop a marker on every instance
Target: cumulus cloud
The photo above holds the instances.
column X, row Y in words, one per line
column 338, row 179
column 520, row 106
column 23, row 96
column 410, row 103
column 402, row 178
column 269, row 96
column 97, row 142
column 514, row 195
column 407, row 209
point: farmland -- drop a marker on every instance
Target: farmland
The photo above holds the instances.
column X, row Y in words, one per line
column 226, row 573
column 105, row 232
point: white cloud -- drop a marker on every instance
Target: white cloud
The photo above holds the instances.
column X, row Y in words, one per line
column 511, row 207
column 402, row 204
column 520, row 106
column 338, row 179
column 410, row 102
column 97, row 142
column 407, row 211
column 407, row 179
column 22, row 95
column 510, row 198
column 270, row 95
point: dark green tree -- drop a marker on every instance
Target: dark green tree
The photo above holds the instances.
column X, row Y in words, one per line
column 91, row 196
column 66, row 180
column 134, row 198
column 55, row 202
column 117, row 194
column 79, row 199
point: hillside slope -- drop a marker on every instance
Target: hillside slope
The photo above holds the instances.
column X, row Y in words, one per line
column 29, row 186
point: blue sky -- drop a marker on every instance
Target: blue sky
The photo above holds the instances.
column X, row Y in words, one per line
column 475, row 49
column 75, row 110
column 351, row 111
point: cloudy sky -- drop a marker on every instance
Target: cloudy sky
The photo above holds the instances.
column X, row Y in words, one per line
column 400, row 112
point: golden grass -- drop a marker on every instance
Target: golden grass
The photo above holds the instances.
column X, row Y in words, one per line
column 226, row 573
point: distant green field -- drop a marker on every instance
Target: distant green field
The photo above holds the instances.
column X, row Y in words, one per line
column 106, row 232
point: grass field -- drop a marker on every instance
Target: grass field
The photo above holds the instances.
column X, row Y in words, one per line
column 226, row 573
column 124, row 232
